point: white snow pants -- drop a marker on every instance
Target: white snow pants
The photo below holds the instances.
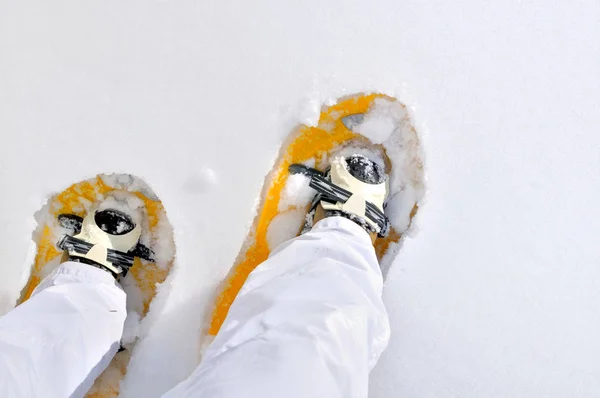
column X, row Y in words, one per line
column 309, row 322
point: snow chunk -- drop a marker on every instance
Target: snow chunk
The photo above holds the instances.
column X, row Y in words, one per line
column 381, row 120
column 127, row 203
column 127, row 182
column 162, row 243
column 284, row 226
column 373, row 154
column 407, row 181
column 131, row 328
column 388, row 258
column 296, row 193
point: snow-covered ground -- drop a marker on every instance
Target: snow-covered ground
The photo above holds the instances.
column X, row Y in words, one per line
column 498, row 293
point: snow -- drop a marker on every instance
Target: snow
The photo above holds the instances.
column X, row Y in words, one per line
column 296, row 193
column 202, row 181
column 379, row 124
column 496, row 295
column 293, row 204
column 124, row 202
column 284, row 227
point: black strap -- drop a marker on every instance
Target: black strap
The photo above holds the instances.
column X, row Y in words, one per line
column 334, row 194
column 119, row 259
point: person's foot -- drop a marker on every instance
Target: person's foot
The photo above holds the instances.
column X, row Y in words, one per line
column 367, row 186
column 102, row 239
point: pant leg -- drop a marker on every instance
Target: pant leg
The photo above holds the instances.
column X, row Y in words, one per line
column 309, row 322
column 57, row 342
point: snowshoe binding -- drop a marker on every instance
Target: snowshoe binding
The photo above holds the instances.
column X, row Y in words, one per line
column 107, row 239
column 353, row 187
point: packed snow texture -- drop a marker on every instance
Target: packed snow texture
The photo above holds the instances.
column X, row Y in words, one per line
column 295, row 198
column 381, row 121
column 496, row 296
column 284, row 227
column 296, row 194
column 125, row 202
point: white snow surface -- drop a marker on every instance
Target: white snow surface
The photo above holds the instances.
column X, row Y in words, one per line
column 497, row 294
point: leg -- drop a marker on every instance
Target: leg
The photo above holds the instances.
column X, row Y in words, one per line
column 309, row 322
column 57, row 342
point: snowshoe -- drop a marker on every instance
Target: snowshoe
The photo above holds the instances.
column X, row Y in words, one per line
column 117, row 223
column 373, row 125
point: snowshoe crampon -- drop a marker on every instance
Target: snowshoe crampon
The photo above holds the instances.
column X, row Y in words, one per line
column 374, row 125
column 147, row 263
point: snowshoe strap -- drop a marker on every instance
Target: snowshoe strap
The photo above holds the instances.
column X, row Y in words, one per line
column 120, row 260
